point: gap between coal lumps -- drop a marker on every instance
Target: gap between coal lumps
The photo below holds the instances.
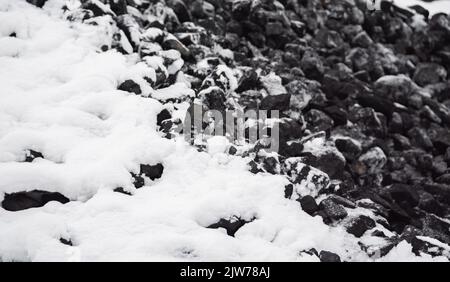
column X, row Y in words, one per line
column 364, row 98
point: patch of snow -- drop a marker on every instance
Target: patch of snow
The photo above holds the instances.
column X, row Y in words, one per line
column 434, row 7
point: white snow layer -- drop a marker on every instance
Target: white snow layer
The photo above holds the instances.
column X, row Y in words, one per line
column 58, row 96
column 436, row 6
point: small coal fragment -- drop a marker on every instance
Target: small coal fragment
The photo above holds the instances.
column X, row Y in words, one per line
column 360, row 225
column 326, row 256
column 31, row 155
column 64, row 241
column 130, row 86
column 31, row 199
column 152, row 171
column 332, row 211
column 288, row 190
column 231, row 225
column 162, row 116
column 308, row 204
column 122, row 191
column 38, row 3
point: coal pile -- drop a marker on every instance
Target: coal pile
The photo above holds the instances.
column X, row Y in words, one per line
column 363, row 96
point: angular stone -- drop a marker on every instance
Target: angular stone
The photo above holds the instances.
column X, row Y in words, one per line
column 308, row 204
column 360, row 225
column 333, row 211
column 31, row 199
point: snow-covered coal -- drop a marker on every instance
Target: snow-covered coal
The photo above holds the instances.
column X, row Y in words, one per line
column 363, row 98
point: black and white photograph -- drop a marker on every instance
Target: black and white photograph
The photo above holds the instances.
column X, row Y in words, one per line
column 225, row 131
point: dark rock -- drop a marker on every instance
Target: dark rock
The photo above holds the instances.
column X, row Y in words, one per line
column 396, row 123
column 271, row 165
column 360, row 225
column 290, row 149
column 67, row 242
column 232, row 151
column 442, row 111
column 398, row 88
column 401, row 142
column 231, row 225
column 379, row 104
column 312, row 65
column 119, row 7
column 326, row 256
column 276, row 102
column 130, row 86
column 342, row 201
column 362, row 40
column 435, row 227
column 332, row 211
column 213, row 98
column 404, row 195
column 350, row 148
column 288, row 190
column 445, row 178
column 248, row 80
column 173, row 43
column 290, row 129
column 370, row 162
column 440, row 191
column 318, row 121
column 429, row 204
column 330, row 39
column 31, row 199
column 122, row 191
column 303, row 92
column 311, row 252
column 370, row 122
column 420, row 137
column 152, row 171
column 180, row 10
column 429, row 73
column 308, row 204
column 138, row 181
column 300, row 173
column 30, row 155
column 38, row 3
column 274, row 28
column 241, row 9
column 162, row 116
column 429, row 114
column 330, row 161
column 338, row 115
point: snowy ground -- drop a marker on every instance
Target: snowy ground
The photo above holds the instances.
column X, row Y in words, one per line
column 58, row 96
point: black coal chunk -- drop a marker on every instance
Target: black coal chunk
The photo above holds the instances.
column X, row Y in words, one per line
column 360, row 225
column 31, row 155
column 122, row 191
column 67, row 242
column 308, row 204
column 332, row 211
column 38, row 3
column 162, row 116
column 31, row 199
column 130, row 86
column 288, row 190
column 276, row 102
column 231, row 225
column 138, row 181
column 326, row 256
column 152, row 171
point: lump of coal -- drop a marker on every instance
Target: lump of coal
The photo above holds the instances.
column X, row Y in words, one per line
column 231, row 225
column 31, row 199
